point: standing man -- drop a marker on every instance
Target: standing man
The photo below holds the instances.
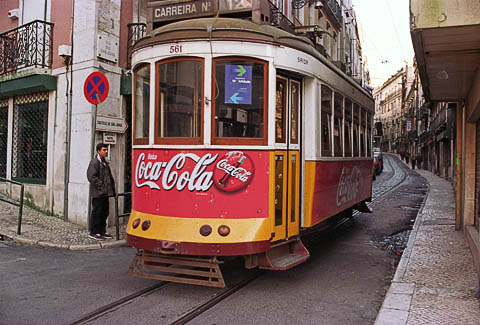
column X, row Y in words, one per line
column 102, row 186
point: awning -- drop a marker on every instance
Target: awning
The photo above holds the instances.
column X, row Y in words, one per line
column 27, row 85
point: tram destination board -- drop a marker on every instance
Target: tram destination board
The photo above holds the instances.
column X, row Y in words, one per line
column 176, row 10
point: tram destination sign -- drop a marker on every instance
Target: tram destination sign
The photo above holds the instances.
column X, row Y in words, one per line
column 173, row 10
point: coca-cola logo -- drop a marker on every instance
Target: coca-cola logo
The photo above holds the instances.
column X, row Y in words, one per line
column 168, row 175
column 233, row 172
column 349, row 185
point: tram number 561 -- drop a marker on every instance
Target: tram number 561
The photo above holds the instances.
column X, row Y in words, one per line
column 176, row 49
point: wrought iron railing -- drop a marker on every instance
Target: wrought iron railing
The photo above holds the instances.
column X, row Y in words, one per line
column 278, row 19
column 29, row 45
column 136, row 31
column 335, row 8
column 439, row 121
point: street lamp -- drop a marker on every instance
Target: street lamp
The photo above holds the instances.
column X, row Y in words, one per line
column 298, row 4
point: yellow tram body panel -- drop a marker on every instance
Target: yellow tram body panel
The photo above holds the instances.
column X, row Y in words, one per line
column 188, row 229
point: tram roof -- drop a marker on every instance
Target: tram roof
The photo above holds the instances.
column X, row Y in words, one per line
column 228, row 28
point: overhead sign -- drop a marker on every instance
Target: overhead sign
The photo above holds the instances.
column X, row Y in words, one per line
column 238, row 84
column 111, row 124
column 183, row 10
column 96, row 88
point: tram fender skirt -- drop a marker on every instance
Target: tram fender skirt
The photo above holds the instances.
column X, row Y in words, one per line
column 362, row 207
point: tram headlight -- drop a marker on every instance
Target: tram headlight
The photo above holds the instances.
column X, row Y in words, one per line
column 205, row 230
column 224, row 230
column 136, row 223
column 146, row 224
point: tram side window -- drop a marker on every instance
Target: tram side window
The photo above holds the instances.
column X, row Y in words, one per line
column 239, row 105
column 179, row 100
column 142, row 104
column 356, row 121
column 369, row 134
column 337, row 125
column 326, row 133
column 347, row 128
column 362, row 132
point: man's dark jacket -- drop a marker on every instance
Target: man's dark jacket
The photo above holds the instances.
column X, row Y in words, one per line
column 100, row 177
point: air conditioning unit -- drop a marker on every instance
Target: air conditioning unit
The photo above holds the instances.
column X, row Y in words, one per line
column 14, row 13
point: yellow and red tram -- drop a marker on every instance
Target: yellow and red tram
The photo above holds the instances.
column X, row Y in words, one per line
column 244, row 137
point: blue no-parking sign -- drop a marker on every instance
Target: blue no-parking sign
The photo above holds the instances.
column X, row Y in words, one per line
column 238, row 84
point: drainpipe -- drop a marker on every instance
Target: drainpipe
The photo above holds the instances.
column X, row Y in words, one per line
column 69, row 124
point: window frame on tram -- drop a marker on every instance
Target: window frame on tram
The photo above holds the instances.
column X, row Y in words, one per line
column 337, row 122
column 159, row 139
column 363, row 130
column 347, row 127
column 326, row 104
column 355, row 130
column 146, row 112
column 217, row 140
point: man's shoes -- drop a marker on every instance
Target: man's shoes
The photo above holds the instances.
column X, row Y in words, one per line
column 96, row 236
column 107, row 235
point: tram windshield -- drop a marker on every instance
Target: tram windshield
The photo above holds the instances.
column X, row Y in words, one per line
column 179, row 108
column 239, row 98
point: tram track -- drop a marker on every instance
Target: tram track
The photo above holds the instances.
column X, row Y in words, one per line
column 185, row 318
column 380, row 196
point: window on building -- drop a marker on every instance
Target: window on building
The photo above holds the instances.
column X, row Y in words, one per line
column 239, row 105
column 142, row 104
column 179, row 101
column 30, row 131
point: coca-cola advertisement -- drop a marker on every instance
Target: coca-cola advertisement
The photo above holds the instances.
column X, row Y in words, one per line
column 344, row 183
column 201, row 183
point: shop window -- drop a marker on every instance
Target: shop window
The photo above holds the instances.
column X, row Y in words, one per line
column 3, row 138
column 30, row 130
column 239, row 112
column 179, row 101
column 142, row 104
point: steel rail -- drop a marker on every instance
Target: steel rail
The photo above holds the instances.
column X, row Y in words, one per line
column 217, row 299
column 102, row 310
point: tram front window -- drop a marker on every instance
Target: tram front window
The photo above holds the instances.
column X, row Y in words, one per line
column 179, row 101
column 142, row 104
column 239, row 105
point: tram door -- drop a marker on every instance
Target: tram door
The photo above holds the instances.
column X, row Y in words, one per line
column 286, row 158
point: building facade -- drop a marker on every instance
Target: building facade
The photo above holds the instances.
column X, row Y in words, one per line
column 445, row 39
column 48, row 49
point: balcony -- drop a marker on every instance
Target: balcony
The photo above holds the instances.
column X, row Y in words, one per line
column 29, row 45
column 439, row 122
column 335, row 9
column 136, row 31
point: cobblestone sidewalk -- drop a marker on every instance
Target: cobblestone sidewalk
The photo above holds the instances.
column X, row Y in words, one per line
column 436, row 280
column 44, row 230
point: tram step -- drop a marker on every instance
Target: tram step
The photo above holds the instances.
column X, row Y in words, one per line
column 284, row 256
column 179, row 269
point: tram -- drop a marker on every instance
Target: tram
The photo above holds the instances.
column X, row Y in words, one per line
column 244, row 138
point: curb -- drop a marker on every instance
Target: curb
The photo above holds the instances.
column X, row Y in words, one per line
column 76, row 247
column 396, row 305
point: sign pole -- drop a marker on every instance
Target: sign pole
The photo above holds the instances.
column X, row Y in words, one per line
column 94, row 125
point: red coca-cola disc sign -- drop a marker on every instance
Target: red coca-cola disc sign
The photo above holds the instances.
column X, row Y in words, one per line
column 233, row 172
